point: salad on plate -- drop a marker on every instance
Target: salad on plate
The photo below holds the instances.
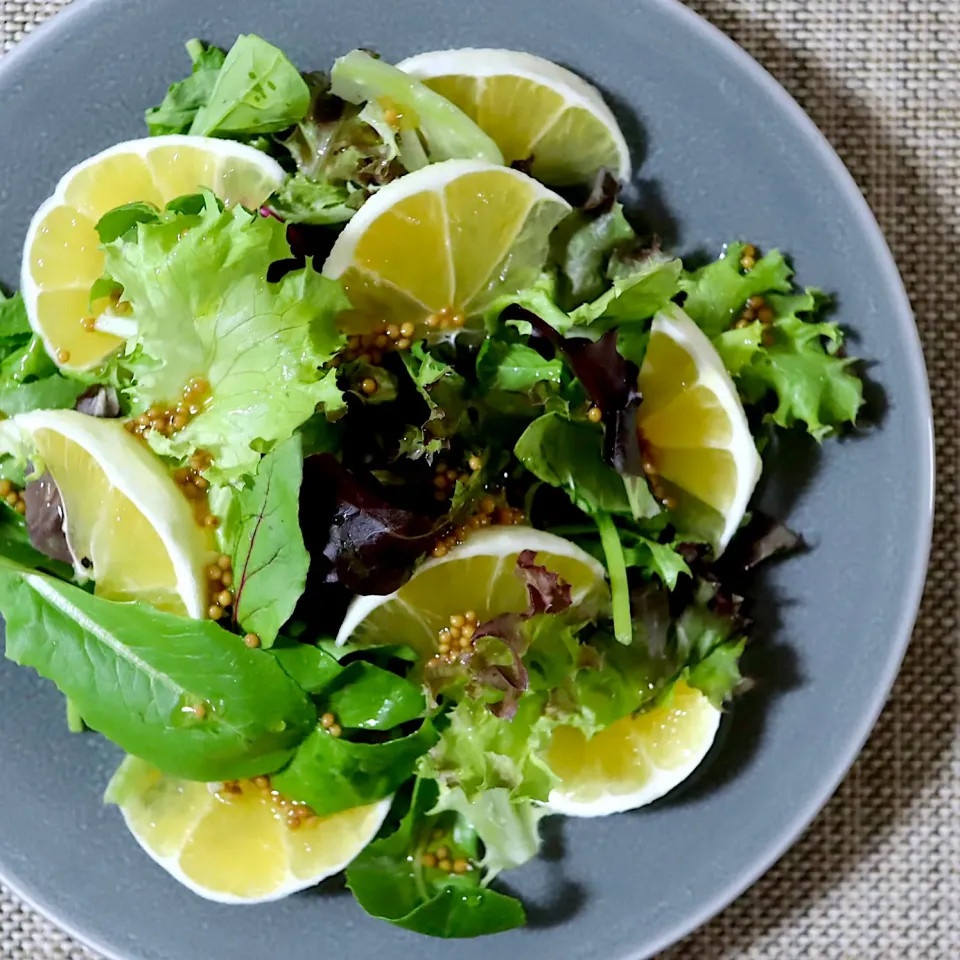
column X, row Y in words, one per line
column 376, row 485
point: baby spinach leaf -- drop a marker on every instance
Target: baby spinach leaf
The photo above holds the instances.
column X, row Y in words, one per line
column 365, row 696
column 257, row 90
column 185, row 695
column 269, row 557
column 391, row 881
column 333, row 773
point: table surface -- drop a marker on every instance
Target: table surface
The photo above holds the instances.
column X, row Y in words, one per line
column 877, row 875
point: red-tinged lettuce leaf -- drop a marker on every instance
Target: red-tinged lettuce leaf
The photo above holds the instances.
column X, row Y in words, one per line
column 45, row 518
column 99, row 401
column 610, row 381
column 547, row 594
column 356, row 536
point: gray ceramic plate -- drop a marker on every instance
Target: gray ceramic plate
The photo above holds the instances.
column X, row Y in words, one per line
column 725, row 154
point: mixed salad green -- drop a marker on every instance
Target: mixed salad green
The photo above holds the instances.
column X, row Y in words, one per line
column 335, row 468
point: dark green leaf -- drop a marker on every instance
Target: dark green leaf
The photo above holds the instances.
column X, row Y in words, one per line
column 312, row 668
column 367, row 697
column 185, row 695
column 718, row 674
column 16, row 547
column 257, row 90
column 330, row 773
column 117, row 222
column 390, row 881
column 812, row 384
column 568, row 454
column 269, row 559
column 51, row 393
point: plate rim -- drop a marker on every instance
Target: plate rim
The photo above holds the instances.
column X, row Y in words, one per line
column 902, row 314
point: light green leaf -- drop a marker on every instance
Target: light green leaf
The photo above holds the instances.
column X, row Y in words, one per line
column 449, row 133
column 717, row 292
column 257, row 90
column 199, row 296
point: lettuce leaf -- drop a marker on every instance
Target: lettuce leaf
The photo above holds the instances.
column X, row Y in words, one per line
column 203, row 307
column 802, row 367
column 396, row 878
column 717, row 292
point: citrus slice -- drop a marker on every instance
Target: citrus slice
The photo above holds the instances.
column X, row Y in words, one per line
column 477, row 577
column 635, row 760
column 127, row 524
column 237, row 842
column 433, row 248
column 62, row 256
column 693, row 430
column 532, row 108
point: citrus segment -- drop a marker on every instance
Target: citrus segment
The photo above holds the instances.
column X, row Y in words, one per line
column 477, row 576
column 238, row 842
column 62, row 256
column 693, row 429
column 438, row 243
column 635, row 760
column 128, row 526
column 531, row 108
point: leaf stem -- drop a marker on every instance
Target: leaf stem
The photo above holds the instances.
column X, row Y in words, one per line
column 617, row 571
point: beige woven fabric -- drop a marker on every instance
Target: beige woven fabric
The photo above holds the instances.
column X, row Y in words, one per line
column 877, row 877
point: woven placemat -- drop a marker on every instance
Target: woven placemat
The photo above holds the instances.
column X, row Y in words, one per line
column 877, row 876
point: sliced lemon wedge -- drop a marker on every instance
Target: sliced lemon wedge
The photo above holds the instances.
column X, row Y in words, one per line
column 531, row 108
column 237, row 842
column 635, row 760
column 127, row 524
column 433, row 248
column 693, row 428
column 475, row 581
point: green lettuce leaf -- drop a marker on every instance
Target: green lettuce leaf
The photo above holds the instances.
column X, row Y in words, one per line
column 801, row 368
column 202, row 305
column 717, row 292
column 269, row 559
column 392, row 880
column 13, row 318
column 582, row 246
column 635, row 297
column 179, row 107
column 256, row 90
column 302, row 200
column 185, row 695
column 447, row 132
